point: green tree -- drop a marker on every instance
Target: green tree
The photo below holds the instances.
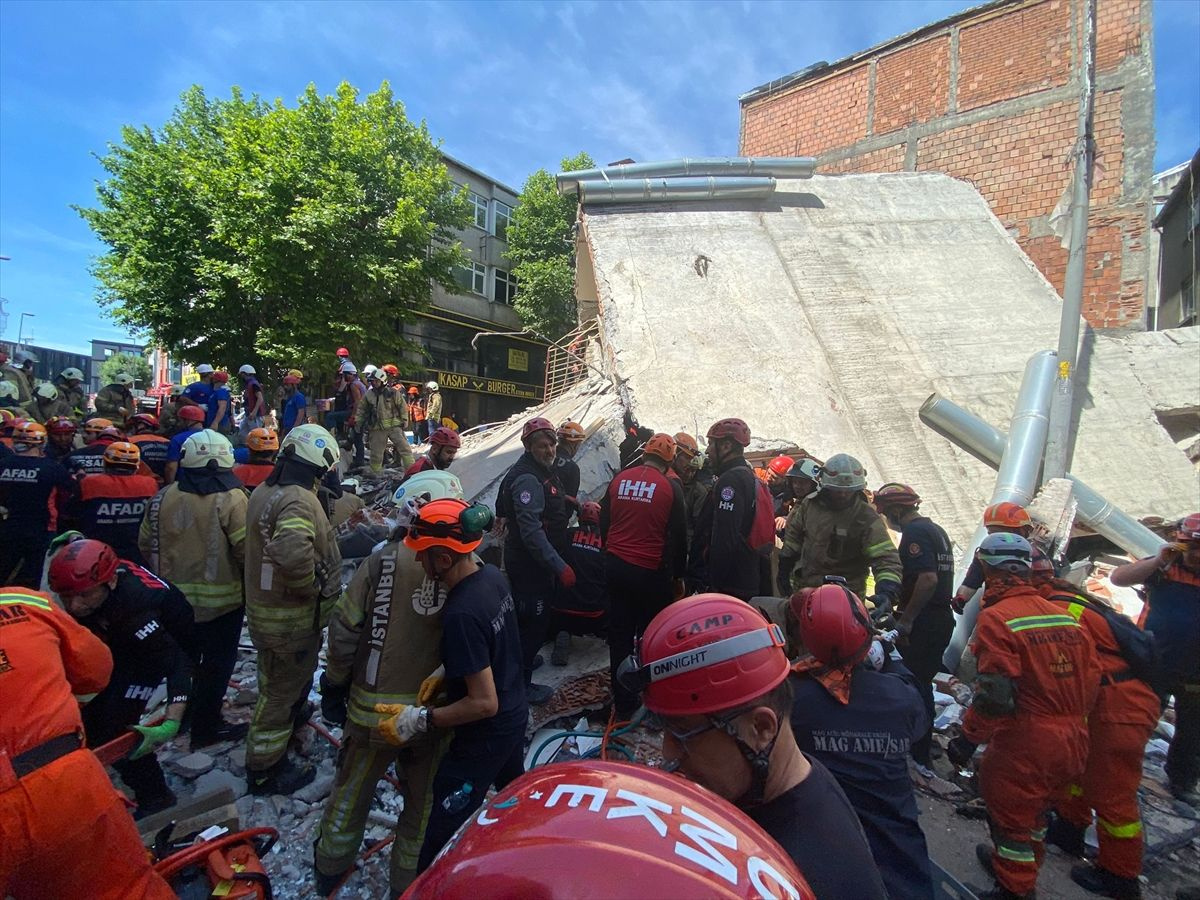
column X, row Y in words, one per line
column 542, row 252
column 129, row 363
column 245, row 231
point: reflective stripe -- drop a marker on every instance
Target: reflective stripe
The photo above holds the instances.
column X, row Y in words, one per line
column 236, row 537
column 295, row 523
column 25, row 600
column 887, row 576
column 1038, row 835
column 211, row 596
column 1028, row 623
column 1021, row 853
column 1076, row 610
column 1128, row 830
column 881, row 547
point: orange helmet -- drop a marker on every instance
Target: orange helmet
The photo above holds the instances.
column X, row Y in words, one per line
column 31, row 433
column 450, row 523
column 261, row 440
column 414, row 390
column 686, row 444
column 291, row 379
column 781, row 465
column 391, row 370
column 660, row 446
column 93, row 427
column 122, row 453
column 1006, row 515
column 571, row 432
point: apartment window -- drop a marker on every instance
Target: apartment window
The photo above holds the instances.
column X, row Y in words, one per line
column 506, row 287
column 1187, row 302
column 503, row 220
column 479, row 209
column 473, row 278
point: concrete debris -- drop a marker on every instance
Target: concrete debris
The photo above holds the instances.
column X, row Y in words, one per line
column 193, row 765
column 318, row 790
column 221, row 778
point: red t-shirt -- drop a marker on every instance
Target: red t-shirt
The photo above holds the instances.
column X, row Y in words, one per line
column 639, row 502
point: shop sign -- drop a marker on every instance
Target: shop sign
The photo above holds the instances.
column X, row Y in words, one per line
column 457, row 381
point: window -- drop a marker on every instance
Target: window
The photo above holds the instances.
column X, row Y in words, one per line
column 1187, row 302
column 503, row 220
column 479, row 209
column 506, row 287
column 473, row 278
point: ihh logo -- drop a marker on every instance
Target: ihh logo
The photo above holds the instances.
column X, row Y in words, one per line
column 636, row 490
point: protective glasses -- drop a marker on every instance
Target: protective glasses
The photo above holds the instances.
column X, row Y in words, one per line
column 713, row 723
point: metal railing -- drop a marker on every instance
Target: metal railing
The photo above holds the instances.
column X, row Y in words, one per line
column 566, row 359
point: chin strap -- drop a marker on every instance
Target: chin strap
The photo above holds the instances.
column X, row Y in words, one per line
column 760, row 765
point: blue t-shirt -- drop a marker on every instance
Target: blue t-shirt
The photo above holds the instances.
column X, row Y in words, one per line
column 479, row 630
column 219, row 394
column 175, row 451
column 293, row 409
column 198, row 392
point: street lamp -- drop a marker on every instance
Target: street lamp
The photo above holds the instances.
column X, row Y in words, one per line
column 21, row 328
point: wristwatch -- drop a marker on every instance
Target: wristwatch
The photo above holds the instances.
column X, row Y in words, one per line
column 425, row 718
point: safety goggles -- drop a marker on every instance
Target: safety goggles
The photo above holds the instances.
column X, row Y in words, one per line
column 712, row 723
column 636, row 677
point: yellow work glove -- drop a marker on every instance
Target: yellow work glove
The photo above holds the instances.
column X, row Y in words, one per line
column 431, row 686
column 403, row 722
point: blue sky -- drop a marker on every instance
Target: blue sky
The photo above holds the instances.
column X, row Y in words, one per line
column 508, row 87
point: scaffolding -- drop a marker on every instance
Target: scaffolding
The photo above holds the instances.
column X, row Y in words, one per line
column 566, row 360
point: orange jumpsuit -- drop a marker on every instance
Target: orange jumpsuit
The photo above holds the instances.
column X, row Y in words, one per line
column 64, row 829
column 1119, row 726
column 1039, row 747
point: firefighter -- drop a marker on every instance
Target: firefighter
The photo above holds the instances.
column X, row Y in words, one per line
column 384, row 415
column 721, row 558
column 644, row 527
column 802, row 478
column 688, row 463
column 147, row 624
column 263, row 444
column 8, row 398
column 14, row 374
column 32, row 490
column 444, row 444
column 49, row 404
column 110, row 503
column 168, row 418
column 1119, row 726
column 64, row 830
column 713, row 672
column 115, row 401
column 89, row 459
column 925, row 620
column 570, row 437
column 61, row 432
column 532, row 502
column 384, row 640
column 143, row 431
column 858, row 709
column 584, row 608
column 433, row 406
column 191, row 420
column 1038, row 679
column 292, row 579
column 70, row 389
column 837, row 532
column 1171, row 579
column 194, row 535
column 482, row 666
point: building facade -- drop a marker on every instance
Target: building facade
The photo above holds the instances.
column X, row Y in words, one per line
column 1178, row 228
column 102, row 350
column 992, row 96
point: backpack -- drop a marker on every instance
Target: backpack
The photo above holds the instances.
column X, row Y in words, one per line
column 762, row 530
column 1135, row 645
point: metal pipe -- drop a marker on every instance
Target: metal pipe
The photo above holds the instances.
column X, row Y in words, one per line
column 1017, row 479
column 724, row 166
column 675, row 189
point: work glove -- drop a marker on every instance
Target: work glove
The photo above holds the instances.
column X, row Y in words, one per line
column 153, row 735
column 567, row 577
column 334, row 698
column 403, row 722
column 960, row 750
column 431, row 686
column 67, row 537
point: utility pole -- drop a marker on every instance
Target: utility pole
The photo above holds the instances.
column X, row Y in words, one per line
column 1062, row 400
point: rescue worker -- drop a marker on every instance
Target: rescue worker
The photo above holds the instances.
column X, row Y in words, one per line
column 838, row 533
column 115, row 401
column 644, row 527
column 570, row 436
column 263, row 444
column 721, row 558
column 1038, row 679
column 802, row 478
column 292, row 579
column 1119, row 726
column 443, row 447
column 89, row 458
column 1171, row 579
column 110, row 503
column 532, row 503
column 64, row 829
column 433, row 407
column 416, row 413
column 194, row 535
column 200, row 390
column 143, row 431
column 168, row 419
column 583, row 609
column 219, row 411
column 481, row 666
column 384, row 640
column 999, row 518
column 254, row 402
column 345, row 406
column 49, row 405
column 147, row 624
column 858, row 709
column 14, row 373
column 32, row 491
column 61, row 432
column 8, row 398
column 70, row 389
column 778, row 484
column 926, row 621
column 295, row 405
column 725, row 711
column 384, row 416
column 686, row 466
column 191, row 420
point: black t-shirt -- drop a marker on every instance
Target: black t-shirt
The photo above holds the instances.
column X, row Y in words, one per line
column 924, row 547
column 479, row 630
column 31, row 488
column 816, row 826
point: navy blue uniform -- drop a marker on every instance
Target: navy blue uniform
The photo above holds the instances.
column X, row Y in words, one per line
column 721, row 558
column 866, row 744
column 87, row 460
column 583, row 609
column 32, row 489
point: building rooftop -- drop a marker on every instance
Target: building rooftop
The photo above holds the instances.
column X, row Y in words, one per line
column 1182, row 189
column 476, row 172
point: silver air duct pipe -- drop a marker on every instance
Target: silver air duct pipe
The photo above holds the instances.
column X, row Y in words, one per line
column 674, row 189
column 775, row 166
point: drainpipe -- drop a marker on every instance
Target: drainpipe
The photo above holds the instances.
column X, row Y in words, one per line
column 775, row 166
column 643, row 190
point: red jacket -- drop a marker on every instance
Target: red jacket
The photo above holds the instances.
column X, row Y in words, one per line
column 643, row 520
column 251, row 475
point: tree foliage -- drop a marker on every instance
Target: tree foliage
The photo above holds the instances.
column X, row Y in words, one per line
column 246, row 231
column 541, row 248
column 130, row 364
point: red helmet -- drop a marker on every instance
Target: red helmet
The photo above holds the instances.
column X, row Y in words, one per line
column 835, row 626
column 80, row 566
column 534, row 425
column 735, row 429
column 781, row 465
column 589, row 513
column 445, row 437
column 895, row 494
column 142, row 420
column 561, row 826
column 661, row 446
column 343, row 352
column 1189, row 529
column 1006, row 515
column 61, row 425
column 108, row 435
column 291, row 379
column 220, row 377
column 192, row 413
column 742, row 657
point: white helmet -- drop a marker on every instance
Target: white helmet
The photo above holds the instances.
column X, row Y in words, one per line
column 419, row 489
column 46, row 391
column 370, row 370
column 432, row 385
column 204, row 369
column 72, row 375
column 247, row 369
column 24, row 356
column 204, row 446
column 9, row 390
column 175, row 390
column 123, row 378
column 349, row 367
column 311, row 444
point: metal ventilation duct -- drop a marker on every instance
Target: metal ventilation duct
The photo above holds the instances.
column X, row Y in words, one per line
column 660, row 190
column 720, row 166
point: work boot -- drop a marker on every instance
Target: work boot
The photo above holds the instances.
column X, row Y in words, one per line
column 537, row 694
column 1103, row 882
column 983, row 853
column 285, row 777
column 327, row 884
column 303, row 713
column 226, row 731
column 562, row 649
column 1065, row 836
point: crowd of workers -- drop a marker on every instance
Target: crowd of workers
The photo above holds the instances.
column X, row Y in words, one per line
column 763, row 622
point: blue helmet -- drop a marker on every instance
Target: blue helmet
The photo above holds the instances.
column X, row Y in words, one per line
column 1009, row 552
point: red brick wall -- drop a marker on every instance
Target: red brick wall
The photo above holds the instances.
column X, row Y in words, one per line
column 1019, row 58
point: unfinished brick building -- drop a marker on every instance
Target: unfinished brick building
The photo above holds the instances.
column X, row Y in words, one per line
column 991, row 96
